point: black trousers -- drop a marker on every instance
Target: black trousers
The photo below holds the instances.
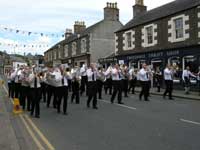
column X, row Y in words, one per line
column 169, row 88
column 17, row 90
column 117, row 90
column 12, row 88
column 132, row 85
column 25, row 96
column 75, row 92
column 83, row 84
column 125, row 87
column 108, row 86
column 145, row 90
column 35, row 101
column 99, row 88
column 43, row 91
column 62, row 95
column 50, row 93
column 92, row 93
column 9, row 89
column 69, row 85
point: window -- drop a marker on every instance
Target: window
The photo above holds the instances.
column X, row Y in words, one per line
column 74, row 48
column 178, row 26
column 59, row 54
column 66, row 50
column 83, row 45
column 55, row 55
column 149, row 34
column 128, row 40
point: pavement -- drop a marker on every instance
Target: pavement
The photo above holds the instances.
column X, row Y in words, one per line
column 176, row 93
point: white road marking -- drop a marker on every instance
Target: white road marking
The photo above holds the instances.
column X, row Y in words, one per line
column 125, row 106
column 188, row 121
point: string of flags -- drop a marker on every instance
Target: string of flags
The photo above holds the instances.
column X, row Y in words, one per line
column 29, row 33
column 24, row 45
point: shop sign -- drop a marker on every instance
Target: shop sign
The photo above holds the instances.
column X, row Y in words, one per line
column 173, row 53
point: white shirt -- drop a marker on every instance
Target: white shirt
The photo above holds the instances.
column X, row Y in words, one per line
column 32, row 81
column 187, row 74
column 83, row 71
column 58, row 79
column 143, row 75
column 116, row 74
column 168, row 74
column 90, row 74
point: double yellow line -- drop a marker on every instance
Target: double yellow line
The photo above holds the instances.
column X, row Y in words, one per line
column 31, row 127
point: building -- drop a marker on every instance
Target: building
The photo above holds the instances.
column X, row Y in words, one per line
column 87, row 45
column 4, row 63
column 167, row 34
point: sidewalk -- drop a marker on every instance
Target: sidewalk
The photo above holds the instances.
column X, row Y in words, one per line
column 8, row 139
column 176, row 93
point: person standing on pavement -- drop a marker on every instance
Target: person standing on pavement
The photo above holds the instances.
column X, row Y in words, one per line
column 116, row 73
column 168, row 77
column 144, row 78
column 34, row 81
column 186, row 79
column 92, row 86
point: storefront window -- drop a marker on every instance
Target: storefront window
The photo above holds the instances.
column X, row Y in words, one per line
column 192, row 62
column 177, row 66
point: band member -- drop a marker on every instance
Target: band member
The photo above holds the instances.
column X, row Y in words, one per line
column 108, row 82
column 133, row 80
column 158, row 78
column 43, row 85
column 12, row 78
column 50, row 87
column 68, row 71
column 18, row 83
column 34, row 81
column 100, row 79
column 9, row 82
column 198, row 81
column 25, row 87
column 62, row 90
column 83, row 72
column 92, row 86
column 125, row 74
column 168, row 77
column 186, row 79
column 116, row 80
column 75, row 85
column 144, row 77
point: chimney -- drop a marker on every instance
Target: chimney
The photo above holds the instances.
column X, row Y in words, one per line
column 111, row 12
column 68, row 33
column 139, row 8
column 79, row 27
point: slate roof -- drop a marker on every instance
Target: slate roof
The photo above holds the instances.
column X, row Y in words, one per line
column 161, row 12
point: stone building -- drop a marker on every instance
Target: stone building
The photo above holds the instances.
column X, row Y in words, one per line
column 167, row 34
column 87, row 45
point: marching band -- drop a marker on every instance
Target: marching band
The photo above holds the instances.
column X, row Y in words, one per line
column 32, row 85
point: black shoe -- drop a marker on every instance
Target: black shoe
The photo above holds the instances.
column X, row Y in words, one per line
column 37, row 116
column 95, row 107
column 140, row 98
column 88, row 106
column 111, row 102
column 120, row 103
column 171, row 98
column 126, row 96
column 147, row 100
column 65, row 113
column 163, row 96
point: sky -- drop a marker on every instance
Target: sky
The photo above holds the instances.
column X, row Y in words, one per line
column 41, row 23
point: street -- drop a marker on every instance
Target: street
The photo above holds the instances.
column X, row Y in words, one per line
column 139, row 125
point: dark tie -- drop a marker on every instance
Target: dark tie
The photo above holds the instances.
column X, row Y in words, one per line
column 93, row 76
column 62, row 80
column 147, row 75
column 35, row 83
column 119, row 75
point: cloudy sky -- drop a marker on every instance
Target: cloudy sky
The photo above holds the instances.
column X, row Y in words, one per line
column 51, row 18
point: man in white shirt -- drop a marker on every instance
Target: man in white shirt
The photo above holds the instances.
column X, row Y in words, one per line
column 116, row 80
column 92, row 86
column 168, row 77
column 34, row 82
column 144, row 77
column 83, row 72
column 186, row 79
